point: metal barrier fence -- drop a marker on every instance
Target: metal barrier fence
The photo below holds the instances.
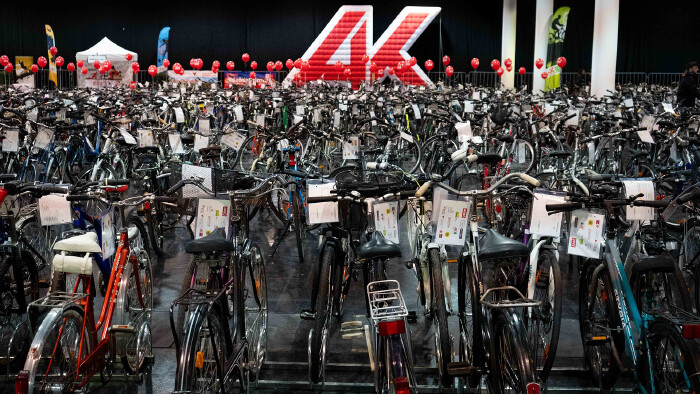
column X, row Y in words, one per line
column 627, row 78
column 665, row 79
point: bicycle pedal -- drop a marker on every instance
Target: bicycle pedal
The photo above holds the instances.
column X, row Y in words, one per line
column 123, row 329
column 412, row 317
column 308, row 315
column 597, row 340
column 353, row 335
column 351, row 326
column 44, row 284
column 460, row 368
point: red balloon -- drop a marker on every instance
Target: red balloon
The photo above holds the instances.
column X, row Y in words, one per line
column 230, row 65
column 278, row 65
column 200, row 63
column 192, row 62
column 508, row 62
column 338, row 66
column 214, row 70
column 107, row 65
column 373, row 67
column 399, row 67
column 3, row 60
column 544, row 75
column 71, row 67
column 53, row 51
column 449, row 71
column 79, row 63
column 95, row 64
column 226, row 85
column 182, row 71
column 289, row 64
column 8, row 67
column 347, row 72
column 270, row 66
column 152, row 70
column 391, row 70
column 475, row 63
column 34, row 68
column 245, row 57
column 177, row 67
column 129, row 56
column 253, row 64
column 521, row 70
column 509, row 68
column 539, row 63
column 297, row 63
column 84, row 70
column 102, row 70
column 499, row 71
column 561, row 62
column 41, row 61
column 380, row 72
column 132, row 85
column 412, row 61
column 60, row 61
column 166, row 63
column 445, row 60
column 216, row 64
column 252, row 75
column 495, row 64
column 429, row 64
column 365, row 58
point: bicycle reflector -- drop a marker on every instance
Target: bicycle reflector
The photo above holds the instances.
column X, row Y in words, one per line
column 691, row 331
column 22, row 382
column 387, row 328
column 401, row 385
column 533, row 388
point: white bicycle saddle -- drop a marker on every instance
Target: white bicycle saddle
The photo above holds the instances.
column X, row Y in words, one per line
column 84, row 243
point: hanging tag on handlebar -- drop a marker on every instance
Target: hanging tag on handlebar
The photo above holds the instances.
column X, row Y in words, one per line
column 541, row 222
column 54, row 209
column 386, row 219
column 179, row 115
column 586, row 234
column 635, row 187
column 11, row 141
column 145, row 137
column 350, row 148
column 108, row 234
column 212, row 214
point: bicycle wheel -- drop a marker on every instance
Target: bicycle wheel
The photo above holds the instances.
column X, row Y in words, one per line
column 324, row 305
column 256, row 311
column 599, row 319
column 299, row 224
column 510, row 363
column 14, row 298
column 39, row 241
column 57, row 350
column 676, row 362
column 196, row 277
column 205, row 348
column 471, row 345
column 548, row 290
column 690, row 260
column 443, row 340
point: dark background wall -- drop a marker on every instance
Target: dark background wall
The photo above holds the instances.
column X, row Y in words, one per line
column 654, row 36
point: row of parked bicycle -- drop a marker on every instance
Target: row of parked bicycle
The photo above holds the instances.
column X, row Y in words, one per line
column 499, row 181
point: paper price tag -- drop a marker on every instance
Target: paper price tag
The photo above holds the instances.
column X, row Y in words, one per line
column 586, row 234
column 145, row 137
column 108, row 234
column 521, row 152
column 200, row 142
column 416, row 111
column 336, row 118
column 238, row 112
column 548, row 108
column 668, row 107
column 233, row 140
column 179, row 115
column 629, row 102
column 300, row 110
column 468, row 106
column 204, row 126
column 452, row 222
column 282, row 145
column 476, row 96
column 634, row 187
column 33, row 114
column 351, row 147
column 386, row 220
column 61, row 114
column 128, row 138
column 212, row 214
column 647, row 122
column 260, row 120
column 591, row 152
column 477, row 140
column 11, row 141
column 322, row 212
column 406, row 136
column 645, row 136
column 464, row 131
column 573, row 121
column 541, row 222
column 176, row 143
column 43, row 137
column 54, row 209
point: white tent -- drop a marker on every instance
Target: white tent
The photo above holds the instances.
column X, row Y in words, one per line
column 105, row 50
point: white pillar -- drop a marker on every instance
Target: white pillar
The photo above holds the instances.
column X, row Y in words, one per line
column 604, row 56
column 543, row 11
column 510, row 8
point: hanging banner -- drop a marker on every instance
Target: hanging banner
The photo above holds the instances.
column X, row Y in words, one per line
column 163, row 48
column 194, row 76
column 51, row 42
column 242, row 78
column 22, row 69
column 555, row 47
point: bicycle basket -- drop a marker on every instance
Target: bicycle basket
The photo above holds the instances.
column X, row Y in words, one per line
column 368, row 183
column 228, row 180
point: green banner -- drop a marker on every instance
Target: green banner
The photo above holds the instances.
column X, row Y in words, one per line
column 555, row 47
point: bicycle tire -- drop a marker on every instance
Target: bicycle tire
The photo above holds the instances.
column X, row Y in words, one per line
column 8, row 284
column 256, row 303
column 443, row 342
column 663, row 336
column 188, row 280
column 606, row 307
column 323, row 315
column 155, row 233
column 199, row 352
column 509, row 343
column 471, row 338
column 669, row 290
column 550, row 293
column 299, row 232
column 137, row 222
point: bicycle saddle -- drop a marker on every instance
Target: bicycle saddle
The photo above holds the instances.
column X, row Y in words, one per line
column 214, row 242
column 378, row 246
column 495, row 245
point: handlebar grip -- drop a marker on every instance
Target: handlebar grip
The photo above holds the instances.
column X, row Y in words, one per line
column 79, row 197
column 600, row 177
column 472, row 158
column 312, row 200
column 165, row 199
column 53, row 189
column 7, row 177
column 692, row 195
column 295, row 173
column 652, row 203
column 175, row 187
column 460, row 154
column 422, row 189
column 530, row 180
column 372, row 165
column 567, row 206
column 117, row 182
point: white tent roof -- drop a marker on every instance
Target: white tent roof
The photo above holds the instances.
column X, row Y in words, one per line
column 106, row 48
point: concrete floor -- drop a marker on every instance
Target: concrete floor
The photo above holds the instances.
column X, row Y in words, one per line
column 289, row 285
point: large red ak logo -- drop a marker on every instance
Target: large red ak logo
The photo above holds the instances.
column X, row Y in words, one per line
column 348, row 36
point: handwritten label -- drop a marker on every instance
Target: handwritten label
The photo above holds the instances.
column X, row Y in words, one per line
column 54, row 209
